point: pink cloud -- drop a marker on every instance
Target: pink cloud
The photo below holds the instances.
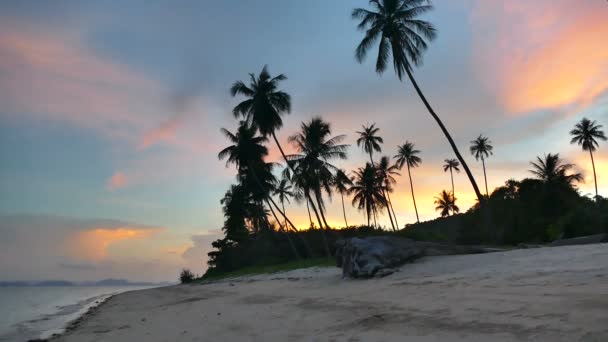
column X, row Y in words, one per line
column 117, row 181
column 542, row 54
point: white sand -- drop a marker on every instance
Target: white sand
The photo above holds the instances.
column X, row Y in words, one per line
column 545, row 294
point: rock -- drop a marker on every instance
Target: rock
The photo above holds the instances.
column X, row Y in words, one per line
column 380, row 255
column 583, row 240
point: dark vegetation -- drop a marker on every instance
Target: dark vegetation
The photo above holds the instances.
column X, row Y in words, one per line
column 259, row 236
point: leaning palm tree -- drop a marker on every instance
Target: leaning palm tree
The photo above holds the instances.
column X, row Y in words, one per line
column 400, row 34
column 342, row 184
column 482, row 148
column 452, row 165
column 387, row 173
column 552, row 170
column 408, row 155
column 446, row 202
column 368, row 191
column 370, row 141
column 586, row 133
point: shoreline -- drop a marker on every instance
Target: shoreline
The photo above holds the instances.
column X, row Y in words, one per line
column 541, row 294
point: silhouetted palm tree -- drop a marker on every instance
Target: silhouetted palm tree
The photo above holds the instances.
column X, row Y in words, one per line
column 368, row 191
column 446, row 202
column 247, row 153
column 316, row 148
column 393, row 23
column 342, row 184
column 482, row 148
column 408, row 155
column 452, row 165
column 553, row 170
column 387, row 171
column 586, row 133
column 370, row 141
column 264, row 106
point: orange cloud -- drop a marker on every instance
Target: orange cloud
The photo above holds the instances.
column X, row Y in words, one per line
column 542, row 54
column 93, row 244
column 117, row 181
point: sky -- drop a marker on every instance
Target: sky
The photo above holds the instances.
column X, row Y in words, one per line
column 110, row 114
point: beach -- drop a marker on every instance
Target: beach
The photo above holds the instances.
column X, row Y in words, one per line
column 539, row 294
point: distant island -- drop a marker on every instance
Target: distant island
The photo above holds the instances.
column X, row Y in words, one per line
column 103, row 282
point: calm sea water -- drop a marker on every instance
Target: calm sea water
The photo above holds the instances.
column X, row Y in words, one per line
column 38, row 312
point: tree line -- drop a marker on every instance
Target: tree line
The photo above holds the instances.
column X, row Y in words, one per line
column 257, row 227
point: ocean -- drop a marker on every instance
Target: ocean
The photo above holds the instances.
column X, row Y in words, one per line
column 33, row 312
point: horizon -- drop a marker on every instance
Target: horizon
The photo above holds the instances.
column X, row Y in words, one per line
column 110, row 120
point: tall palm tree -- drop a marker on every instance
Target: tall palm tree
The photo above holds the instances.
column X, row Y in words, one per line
column 368, row 191
column 446, row 202
column 452, row 165
column 552, row 169
column 387, row 173
column 284, row 191
column 316, row 148
column 404, row 37
column 482, row 148
column 407, row 154
column 370, row 141
column 342, row 184
column 586, row 133
column 264, row 106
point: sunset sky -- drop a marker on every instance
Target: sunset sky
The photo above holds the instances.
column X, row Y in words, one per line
column 110, row 114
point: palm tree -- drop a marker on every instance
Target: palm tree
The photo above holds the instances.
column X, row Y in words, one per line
column 368, row 191
column 284, row 191
column 342, row 184
column 393, row 23
column 370, row 141
column 407, row 154
column 247, row 153
column 264, row 106
column 452, row 165
column 446, row 202
column 482, row 148
column 552, row 169
column 387, row 171
column 315, row 149
column 586, row 133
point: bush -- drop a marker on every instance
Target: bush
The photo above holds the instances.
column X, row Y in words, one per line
column 186, row 276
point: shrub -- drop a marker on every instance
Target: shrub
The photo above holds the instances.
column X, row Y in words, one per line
column 186, row 276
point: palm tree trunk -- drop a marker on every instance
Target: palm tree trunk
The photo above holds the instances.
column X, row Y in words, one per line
column 371, row 158
column 452, row 177
column 368, row 218
column 314, row 209
column 412, row 189
column 291, row 244
column 388, row 209
column 321, row 210
column 594, row 175
column 344, row 210
column 448, row 136
column 484, row 174
column 290, row 167
column 375, row 221
column 285, row 211
column 388, row 196
column 309, row 217
column 323, row 235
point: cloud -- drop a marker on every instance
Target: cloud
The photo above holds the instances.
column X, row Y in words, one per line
column 542, row 54
column 117, row 181
column 201, row 245
column 44, row 247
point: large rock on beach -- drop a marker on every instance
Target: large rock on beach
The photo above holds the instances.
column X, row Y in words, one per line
column 583, row 240
column 379, row 255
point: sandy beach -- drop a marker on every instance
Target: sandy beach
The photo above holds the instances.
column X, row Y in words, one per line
column 543, row 294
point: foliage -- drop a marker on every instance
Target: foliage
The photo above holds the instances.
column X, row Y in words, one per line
column 186, row 276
